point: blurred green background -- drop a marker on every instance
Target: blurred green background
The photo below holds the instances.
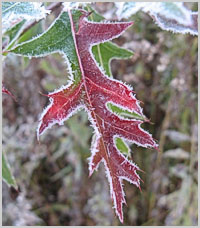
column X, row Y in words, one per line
column 53, row 174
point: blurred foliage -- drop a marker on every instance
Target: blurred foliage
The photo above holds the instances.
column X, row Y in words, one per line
column 53, row 174
column 6, row 173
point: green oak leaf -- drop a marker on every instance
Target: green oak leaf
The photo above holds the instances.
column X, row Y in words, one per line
column 105, row 52
column 124, row 113
column 32, row 32
column 7, row 174
column 13, row 33
column 94, row 16
column 58, row 38
column 122, row 147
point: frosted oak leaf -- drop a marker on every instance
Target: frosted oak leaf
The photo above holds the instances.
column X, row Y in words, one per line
column 90, row 89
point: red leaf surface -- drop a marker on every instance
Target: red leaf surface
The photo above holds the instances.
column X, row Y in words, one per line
column 94, row 91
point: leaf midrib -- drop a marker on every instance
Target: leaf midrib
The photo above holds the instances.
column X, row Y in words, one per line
column 88, row 97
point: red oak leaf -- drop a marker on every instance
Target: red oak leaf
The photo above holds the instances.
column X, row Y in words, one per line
column 93, row 93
